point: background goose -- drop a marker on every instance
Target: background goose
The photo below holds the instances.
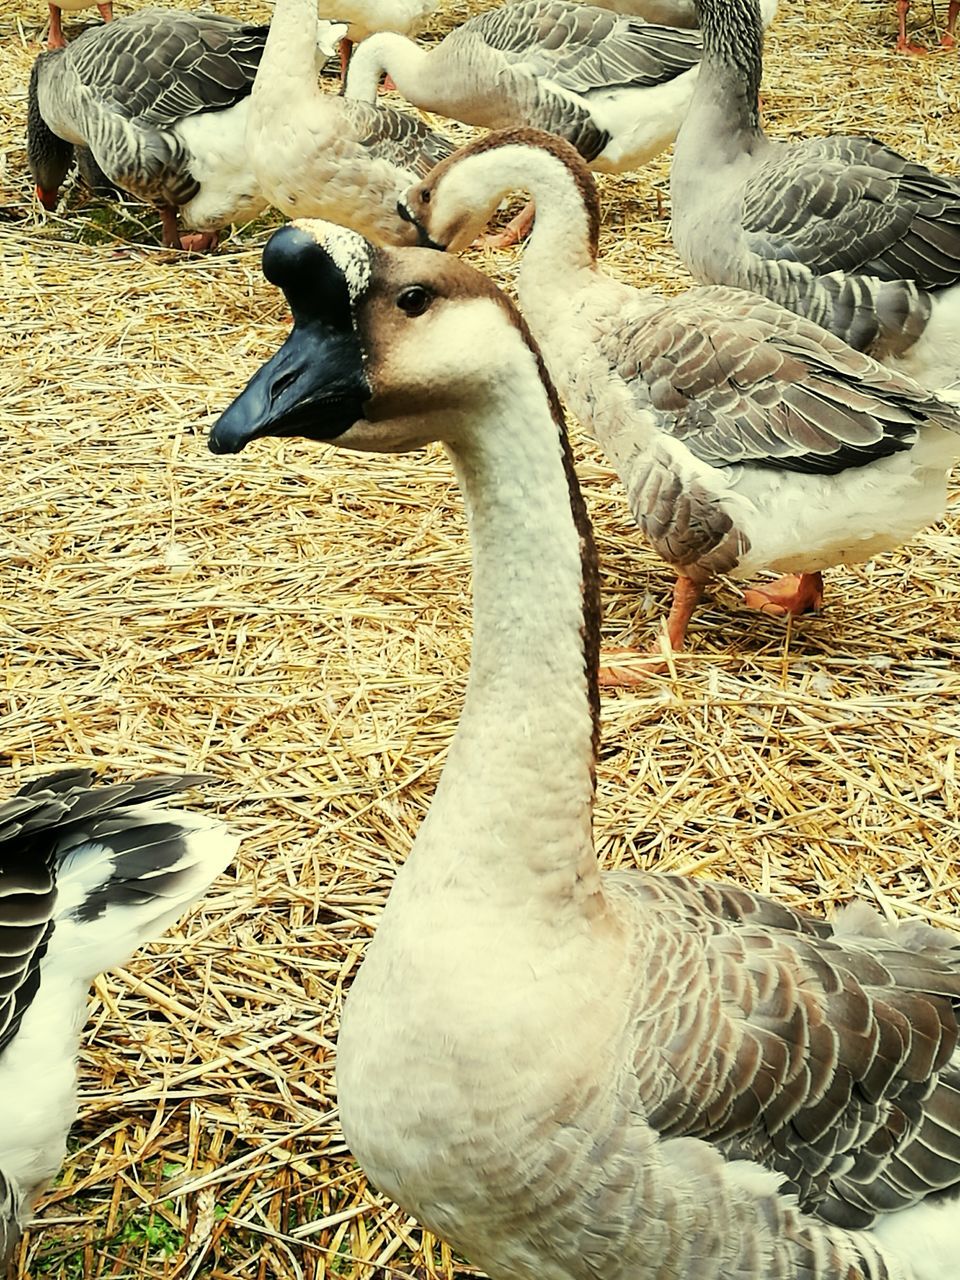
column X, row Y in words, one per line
column 160, row 98
column 56, row 38
column 747, row 438
column 317, row 154
column 842, row 229
column 564, row 1073
column 617, row 88
column 87, row 874
column 366, row 17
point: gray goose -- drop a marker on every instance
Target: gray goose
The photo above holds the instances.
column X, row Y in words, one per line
column 160, row 98
column 565, row 1073
column 747, row 437
column 88, row 873
column 842, row 229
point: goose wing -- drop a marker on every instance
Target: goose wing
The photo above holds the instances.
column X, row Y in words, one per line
column 853, row 204
column 71, row 850
column 159, row 66
column 397, row 137
column 827, row 1052
column 582, row 48
column 739, row 380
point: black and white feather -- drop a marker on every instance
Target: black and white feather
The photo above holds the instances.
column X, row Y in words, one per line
column 88, row 873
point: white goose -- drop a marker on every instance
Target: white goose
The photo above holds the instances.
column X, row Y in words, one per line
column 87, row 875
column 160, row 98
column 320, row 155
column 563, row 1073
column 56, row 39
column 842, row 229
column 747, row 438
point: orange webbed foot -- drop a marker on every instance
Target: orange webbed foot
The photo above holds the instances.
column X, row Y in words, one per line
column 795, row 593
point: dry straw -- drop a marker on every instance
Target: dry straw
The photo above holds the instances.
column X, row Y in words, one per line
column 297, row 622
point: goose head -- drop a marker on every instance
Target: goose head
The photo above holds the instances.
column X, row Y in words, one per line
column 452, row 205
column 390, row 348
column 48, row 156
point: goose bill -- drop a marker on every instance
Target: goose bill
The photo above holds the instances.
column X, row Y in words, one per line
column 313, row 387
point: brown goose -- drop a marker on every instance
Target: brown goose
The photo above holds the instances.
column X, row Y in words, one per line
column 747, row 438
column 569, row 1074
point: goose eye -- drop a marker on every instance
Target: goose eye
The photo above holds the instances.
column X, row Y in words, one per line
column 414, row 300
column 425, row 195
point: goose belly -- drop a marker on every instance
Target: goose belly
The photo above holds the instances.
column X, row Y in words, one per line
column 799, row 523
column 641, row 122
column 229, row 191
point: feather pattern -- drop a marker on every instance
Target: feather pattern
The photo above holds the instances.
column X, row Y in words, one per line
column 614, row 87
column 842, row 229
column 87, row 873
column 147, row 94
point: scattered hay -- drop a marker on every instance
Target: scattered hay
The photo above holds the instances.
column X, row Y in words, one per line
column 296, row 622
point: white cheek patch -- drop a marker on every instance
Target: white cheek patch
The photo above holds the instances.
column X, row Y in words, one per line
column 351, row 253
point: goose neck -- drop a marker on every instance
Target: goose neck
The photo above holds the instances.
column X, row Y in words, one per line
column 290, row 52
column 732, row 65
column 387, row 52
column 512, row 817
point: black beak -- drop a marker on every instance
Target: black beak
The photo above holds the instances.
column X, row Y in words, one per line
column 423, row 240
column 315, row 386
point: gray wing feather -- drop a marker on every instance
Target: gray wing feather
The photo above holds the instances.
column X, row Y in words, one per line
column 402, row 139
column 38, row 828
column 852, row 204
column 826, row 1052
column 740, row 380
column 583, row 48
column 158, row 66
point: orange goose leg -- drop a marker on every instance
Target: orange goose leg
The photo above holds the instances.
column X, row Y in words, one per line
column 949, row 37
column 903, row 44
column 686, row 595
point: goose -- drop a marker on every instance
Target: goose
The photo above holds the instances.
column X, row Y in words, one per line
column 318, row 155
column 567, row 1073
column 88, row 873
column 747, row 438
column 617, row 88
column 56, row 39
column 160, row 98
column 948, row 39
column 842, row 229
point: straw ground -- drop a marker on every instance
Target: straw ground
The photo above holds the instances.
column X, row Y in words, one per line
column 298, row 624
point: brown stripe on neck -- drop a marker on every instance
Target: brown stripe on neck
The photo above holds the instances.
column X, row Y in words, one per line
column 557, row 147
column 589, row 562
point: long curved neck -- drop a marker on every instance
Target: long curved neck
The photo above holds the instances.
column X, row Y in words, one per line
column 402, row 59
column 727, row 94
column 512, row 818
column 290, row 53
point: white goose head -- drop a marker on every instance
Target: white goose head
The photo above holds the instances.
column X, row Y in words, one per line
column 453, row 204
column 390, row 348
